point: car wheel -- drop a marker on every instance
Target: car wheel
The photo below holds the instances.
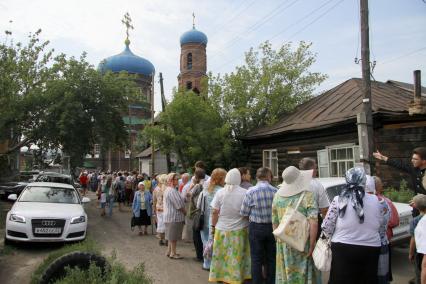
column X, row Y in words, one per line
column 82, row 260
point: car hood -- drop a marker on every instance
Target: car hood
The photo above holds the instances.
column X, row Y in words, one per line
column 403, row 208
column 52, row 210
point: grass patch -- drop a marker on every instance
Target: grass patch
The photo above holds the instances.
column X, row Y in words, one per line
column 87, row 245
column 116, row 274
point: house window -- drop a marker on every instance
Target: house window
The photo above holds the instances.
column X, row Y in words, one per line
column 334, row 161
column 96, row 151
column 127, row 154
column 270, row 160
column 189, row 85
column 189, row 61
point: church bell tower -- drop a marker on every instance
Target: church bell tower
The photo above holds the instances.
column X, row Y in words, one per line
column 193, row 59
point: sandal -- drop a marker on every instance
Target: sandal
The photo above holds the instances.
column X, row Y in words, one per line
column 176, row 256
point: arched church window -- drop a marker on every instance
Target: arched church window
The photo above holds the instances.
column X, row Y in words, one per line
column 189, row 85
column 189, row 61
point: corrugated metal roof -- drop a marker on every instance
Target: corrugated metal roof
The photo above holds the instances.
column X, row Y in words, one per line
column 337, row 105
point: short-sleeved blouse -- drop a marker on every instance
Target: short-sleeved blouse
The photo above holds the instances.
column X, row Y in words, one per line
column 172, row 203
column 307, row 206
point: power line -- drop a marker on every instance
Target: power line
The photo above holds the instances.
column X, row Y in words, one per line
column 274, row 12
column 300, row 30
column 301, row 19
column 402, row 56
column 316, row 19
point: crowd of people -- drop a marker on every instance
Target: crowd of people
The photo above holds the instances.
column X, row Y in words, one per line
column 231, row 220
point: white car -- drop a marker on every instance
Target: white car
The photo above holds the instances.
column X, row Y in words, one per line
column 401, row 233
column 47, row 212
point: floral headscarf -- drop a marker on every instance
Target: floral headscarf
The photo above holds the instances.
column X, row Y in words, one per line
column 353, row 193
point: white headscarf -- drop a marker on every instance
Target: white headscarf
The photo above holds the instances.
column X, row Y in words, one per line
column 232, row 179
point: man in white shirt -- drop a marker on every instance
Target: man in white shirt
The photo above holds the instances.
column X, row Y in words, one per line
column 321, row 202
column 320, row 194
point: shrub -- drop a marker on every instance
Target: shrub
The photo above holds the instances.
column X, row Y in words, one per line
column 116, row 274
column 402, row 194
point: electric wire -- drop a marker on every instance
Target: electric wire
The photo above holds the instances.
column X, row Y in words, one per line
column 297, row 32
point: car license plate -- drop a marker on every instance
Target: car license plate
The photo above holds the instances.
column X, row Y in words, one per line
column 47, row 230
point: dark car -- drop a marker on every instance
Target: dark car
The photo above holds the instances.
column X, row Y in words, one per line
column 54, row 177
column 11, row 187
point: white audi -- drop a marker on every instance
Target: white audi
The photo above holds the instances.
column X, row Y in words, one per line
column 47, row 212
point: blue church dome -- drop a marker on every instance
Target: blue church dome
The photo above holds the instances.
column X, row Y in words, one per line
column 127, row 61
column 193, row 36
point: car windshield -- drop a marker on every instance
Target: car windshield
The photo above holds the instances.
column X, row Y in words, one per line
column 49, row 195
column 60, row 179
column 333, row 191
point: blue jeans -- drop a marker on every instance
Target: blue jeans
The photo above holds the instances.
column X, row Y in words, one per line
column 263, row 250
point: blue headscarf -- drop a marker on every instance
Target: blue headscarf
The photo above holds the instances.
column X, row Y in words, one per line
column 354, row 192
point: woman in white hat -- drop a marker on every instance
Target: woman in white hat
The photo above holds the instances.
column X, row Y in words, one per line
column 231, row 261
column 293, row 266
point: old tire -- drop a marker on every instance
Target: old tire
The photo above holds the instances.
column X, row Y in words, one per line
column 82, row 260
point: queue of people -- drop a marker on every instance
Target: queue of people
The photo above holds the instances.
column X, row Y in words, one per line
column 231, row 222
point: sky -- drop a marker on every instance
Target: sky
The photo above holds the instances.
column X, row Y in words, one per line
column 397, row 32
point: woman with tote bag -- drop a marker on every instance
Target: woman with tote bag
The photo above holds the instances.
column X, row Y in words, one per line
column 294, row 263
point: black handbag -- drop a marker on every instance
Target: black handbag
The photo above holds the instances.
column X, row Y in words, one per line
column 133, row 222
column 198, row 219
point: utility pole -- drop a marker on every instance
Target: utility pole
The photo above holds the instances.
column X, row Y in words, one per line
column 365, row 118
column 163, row 105
column 163, row 98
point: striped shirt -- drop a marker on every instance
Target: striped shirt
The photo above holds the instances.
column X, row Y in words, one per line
column 257, row 204
column 172, row 202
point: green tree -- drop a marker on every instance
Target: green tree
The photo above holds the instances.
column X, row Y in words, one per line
column 85, row 107
column 24, row 72
column 194, row 130
column 269, row 84
column 59, row 102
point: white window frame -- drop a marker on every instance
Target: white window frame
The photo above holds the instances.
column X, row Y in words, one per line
column 325, row 162
column 127, row 153
column 267, row 159
column 96, row 151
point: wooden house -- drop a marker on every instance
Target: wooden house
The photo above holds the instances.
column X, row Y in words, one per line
column 325, row 128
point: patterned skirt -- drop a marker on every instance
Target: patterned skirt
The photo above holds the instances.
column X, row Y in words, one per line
column 231, row 257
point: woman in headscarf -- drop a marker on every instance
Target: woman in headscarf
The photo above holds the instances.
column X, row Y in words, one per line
column 217, row 181
column 354, row 223
column 174, row 215
column 231, row 250
column 293, row 266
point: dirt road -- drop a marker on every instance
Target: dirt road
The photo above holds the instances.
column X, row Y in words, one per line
column 131, row 249
column 112, row 234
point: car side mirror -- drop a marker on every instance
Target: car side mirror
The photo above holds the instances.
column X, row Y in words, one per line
column 85, row 200
column 12, row 197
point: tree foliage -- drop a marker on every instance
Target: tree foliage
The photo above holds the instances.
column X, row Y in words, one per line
column 194, row 130
column 59, row 102
column 269, row 84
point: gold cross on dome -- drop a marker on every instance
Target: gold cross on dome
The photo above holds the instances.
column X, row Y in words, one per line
column 193, row 20
column 127, row 21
